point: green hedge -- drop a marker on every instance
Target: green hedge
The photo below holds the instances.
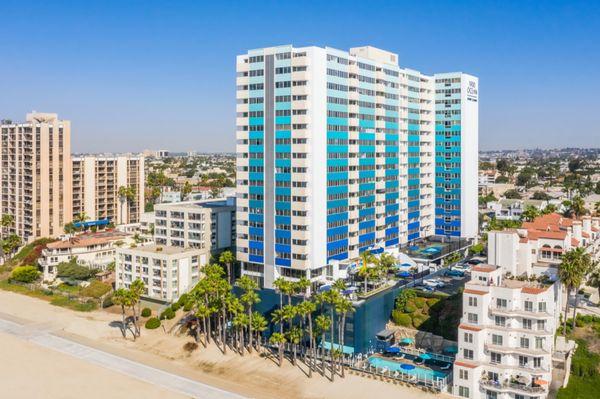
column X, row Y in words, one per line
column 168, row 313
column 152, row 323
column 146, row 312
column 175, row 306
column 401, row 319
column 188, row 306
column 25, row 274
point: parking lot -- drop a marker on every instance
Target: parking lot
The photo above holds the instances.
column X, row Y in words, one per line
column 451, row 283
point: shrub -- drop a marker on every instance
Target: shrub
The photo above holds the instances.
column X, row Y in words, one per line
column 410, row 308
column 418, row 319
column 72, row 270
column 432, row 301
column 146, row 312
column 420, row 302
column 96, row 289
column 25, row 274
column 183, row 299
column 401, row 319
column 175, row 306
column 152, row 323
column 108, row 302
column 188, row 306
column 168, row 313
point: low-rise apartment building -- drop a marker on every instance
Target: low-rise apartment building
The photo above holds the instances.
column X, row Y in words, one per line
column 93, row 250
column 207, row 225
column 97, row 181
column 537, row 247
column 512, row 209
column 506, row 336
column 167, row 272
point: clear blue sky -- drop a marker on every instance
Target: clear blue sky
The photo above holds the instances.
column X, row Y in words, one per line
column 161, row 74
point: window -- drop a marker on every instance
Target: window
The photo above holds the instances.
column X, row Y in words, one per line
column 528, row 306
column 523, row 361
column 501, row 303
column 469, row 338
column 472, row 318
column 542, row 307
column 497, row 339
column 463, row 392
column 468, row 354
column 541, row 325
column 500, row 321
column 524, row 342
column 527, row 324
column 495, row 358
column 463, row 374
column 472, row 301
column 537, row 362
column 491, row 395
column 539, row 343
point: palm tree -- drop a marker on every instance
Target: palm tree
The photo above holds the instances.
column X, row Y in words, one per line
column 10, row 244
column 322, row 324
column 136, row 289
column 226, row 258
column 530, row 213
column 343, row 307
column 584, row 265
column 249, row 299
column 239, row 322
column 258, row 324
column 122, row 298
column 366, row 257
column 578, row 206
column 306, row 309
column 126, row 195
column 203, row 312
column 7, row 221
column 279, row 340
column 294, row 336
column 332, row 297
column 386, row 263
column 569, row 276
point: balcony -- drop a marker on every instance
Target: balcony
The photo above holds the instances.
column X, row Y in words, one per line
column 503, row 311
column 517, row 350
column 512, row 387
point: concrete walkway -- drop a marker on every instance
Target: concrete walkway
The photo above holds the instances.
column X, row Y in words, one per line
column 40, row 335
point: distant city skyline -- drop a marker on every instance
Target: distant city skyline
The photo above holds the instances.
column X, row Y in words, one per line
column 144, row 76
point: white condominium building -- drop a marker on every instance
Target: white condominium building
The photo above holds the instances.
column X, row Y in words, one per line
column 207, row 225
column 36, row 175
column 167, row 272
column 537, row 247
column 96, row 184
column 506, row 337
column 93, row 250
column 339, row 152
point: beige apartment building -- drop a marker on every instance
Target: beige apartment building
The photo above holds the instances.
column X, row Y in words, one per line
column 36, row 175
column 96, row 183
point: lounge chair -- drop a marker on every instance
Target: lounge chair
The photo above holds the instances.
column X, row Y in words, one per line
column 446, row 366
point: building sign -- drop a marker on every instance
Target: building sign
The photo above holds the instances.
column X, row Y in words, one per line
column 472, row 90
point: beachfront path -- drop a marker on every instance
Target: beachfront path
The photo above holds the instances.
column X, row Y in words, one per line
column 39, row 335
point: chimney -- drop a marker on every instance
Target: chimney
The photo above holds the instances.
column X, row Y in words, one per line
column 587, row 224
column 577, row 230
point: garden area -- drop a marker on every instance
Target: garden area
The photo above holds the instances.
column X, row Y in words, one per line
column 584, row 382
column 436, row 313
column 78, row 289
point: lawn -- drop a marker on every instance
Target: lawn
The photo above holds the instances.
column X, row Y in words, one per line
column 46, row 295
column 584, row 382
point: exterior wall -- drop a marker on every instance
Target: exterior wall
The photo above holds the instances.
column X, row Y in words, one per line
column 336, row 155
column 166, row 275
column 36, row 175
column 96, row 187
column 207, row 225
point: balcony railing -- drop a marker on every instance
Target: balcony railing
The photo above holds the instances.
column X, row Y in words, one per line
column 511, row 386
column 519, row 350
column 518, row 312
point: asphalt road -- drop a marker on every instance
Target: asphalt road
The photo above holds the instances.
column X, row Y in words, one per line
column 39, row 334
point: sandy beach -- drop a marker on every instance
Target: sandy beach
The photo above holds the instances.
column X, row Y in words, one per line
column 251, row 375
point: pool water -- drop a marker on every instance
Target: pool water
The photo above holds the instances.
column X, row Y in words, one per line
column 421, row 373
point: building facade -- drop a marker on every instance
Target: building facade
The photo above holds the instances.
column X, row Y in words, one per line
column 167, row 272
column 36, row 175
column 93, row 250
column 506, row 336
column 96, row 184
column 337, row 155
column 208, row 225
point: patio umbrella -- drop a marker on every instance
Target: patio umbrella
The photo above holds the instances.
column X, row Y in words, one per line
column 425, row 356
column 451, row 349
column 407, row 341
column 404, row 274
column 406, row 265
column 405, row 366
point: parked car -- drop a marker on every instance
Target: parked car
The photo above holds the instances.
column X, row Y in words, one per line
column 434, row 282
column 454, row 273
column 461, row 267
column 474, row 261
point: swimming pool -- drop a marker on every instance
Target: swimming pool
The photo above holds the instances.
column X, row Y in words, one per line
column 421, row 373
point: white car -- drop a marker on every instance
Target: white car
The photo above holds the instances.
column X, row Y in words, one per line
column 461, row 267
column 434, row 282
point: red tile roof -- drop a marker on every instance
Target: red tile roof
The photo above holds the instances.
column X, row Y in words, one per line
column 470, row 328
column 533, row 290
column 474, row 292
column 464, row 364
column 484, row 268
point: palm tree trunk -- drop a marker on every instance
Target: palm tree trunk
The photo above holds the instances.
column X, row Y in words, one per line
column 224, row 328
column 323, row 353
column 342, row 339
column 205, row 332
column 332, row 350
column 280, row 354
column 575, row 306
column 310, row 337
column 365, row 283
column 250, row 343
column 123, row 328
